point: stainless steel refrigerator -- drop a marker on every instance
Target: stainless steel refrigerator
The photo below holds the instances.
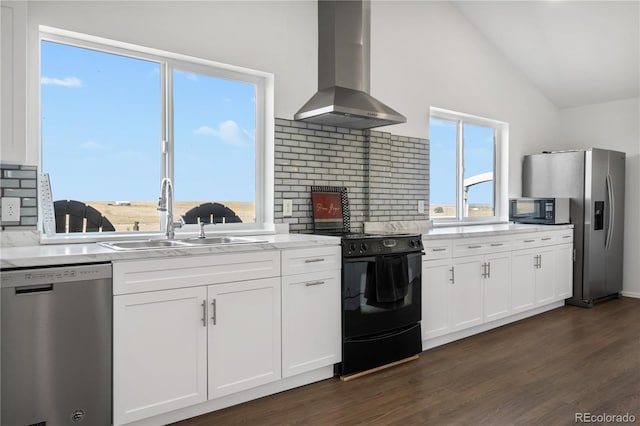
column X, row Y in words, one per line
column 594, row 181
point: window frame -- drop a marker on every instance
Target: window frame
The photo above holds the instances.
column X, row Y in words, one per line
column 500, row 172
column 169, row 61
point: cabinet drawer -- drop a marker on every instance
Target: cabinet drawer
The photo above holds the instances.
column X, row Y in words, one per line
column 436, row 249
column 473, row 246
column 542, row 239
column 311, row 260
column 134, row 276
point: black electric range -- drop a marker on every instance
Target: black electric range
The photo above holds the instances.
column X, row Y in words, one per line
column 381, row 299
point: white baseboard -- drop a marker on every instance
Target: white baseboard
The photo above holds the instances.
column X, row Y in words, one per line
column 633, row 294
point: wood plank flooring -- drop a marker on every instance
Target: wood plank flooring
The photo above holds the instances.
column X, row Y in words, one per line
column 539, row 371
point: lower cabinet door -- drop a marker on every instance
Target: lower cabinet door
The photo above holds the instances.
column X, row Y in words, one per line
column 244, row 335
column 497, row 286
column 436, row 280
column 311, row 325
column 465, row 294
column 523, row 279
column 546, row 275
column 159, row 352
column 564, row 271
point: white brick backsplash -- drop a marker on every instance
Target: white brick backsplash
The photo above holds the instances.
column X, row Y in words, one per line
column 385, row 174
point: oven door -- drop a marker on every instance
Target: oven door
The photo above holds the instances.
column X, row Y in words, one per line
column 369, row 287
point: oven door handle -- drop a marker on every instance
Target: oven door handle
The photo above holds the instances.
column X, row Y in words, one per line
column 373, row 258
column 380, row 336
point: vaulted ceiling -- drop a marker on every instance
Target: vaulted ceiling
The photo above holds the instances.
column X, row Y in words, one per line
column 575, row 52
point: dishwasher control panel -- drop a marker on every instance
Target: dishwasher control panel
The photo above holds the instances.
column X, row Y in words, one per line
column 58, row 274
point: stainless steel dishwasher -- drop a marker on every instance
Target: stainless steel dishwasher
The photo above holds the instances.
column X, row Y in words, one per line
column 56, row 346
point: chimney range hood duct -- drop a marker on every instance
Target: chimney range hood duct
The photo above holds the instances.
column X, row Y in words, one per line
column 342, row 99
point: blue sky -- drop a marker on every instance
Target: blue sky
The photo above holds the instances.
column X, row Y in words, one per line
column 478, row 158
column 101, row 129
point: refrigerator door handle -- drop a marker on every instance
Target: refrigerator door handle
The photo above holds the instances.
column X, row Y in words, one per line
column 607, row 241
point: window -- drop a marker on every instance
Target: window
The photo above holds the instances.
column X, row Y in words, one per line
column 468, row 168
column 116, row 119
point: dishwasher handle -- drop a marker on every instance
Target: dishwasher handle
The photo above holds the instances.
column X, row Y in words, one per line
column 34, row 289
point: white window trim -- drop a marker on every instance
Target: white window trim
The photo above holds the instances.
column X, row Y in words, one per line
column 265, row 130
column 501, row 169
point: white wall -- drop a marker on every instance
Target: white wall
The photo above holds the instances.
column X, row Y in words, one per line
column 279, row 37
column 422, row 54
column 613, row 125
column 427, row 54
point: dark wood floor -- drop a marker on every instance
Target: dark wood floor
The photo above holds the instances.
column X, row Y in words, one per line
column 539, row 371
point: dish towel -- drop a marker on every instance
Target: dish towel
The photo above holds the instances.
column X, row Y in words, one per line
column 392, row 278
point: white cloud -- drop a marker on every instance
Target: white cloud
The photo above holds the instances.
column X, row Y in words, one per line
column 227, row 132
column 65, row 82
column 91, row 145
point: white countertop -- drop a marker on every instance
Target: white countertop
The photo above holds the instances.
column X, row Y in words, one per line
column 62, row 254
column 488, row 230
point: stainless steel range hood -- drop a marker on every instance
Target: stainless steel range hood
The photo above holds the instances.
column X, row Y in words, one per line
column 342, row 99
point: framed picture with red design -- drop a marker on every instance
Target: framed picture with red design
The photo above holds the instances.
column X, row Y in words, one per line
column 330, row 207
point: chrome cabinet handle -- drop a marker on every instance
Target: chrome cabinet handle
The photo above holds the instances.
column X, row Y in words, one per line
column 529, row 241
column 535, row 261
column 546, row 238
column 539, row 261
column 213, row 316
column 204, row 313
column 314, row 283
column 474, row 247
column 566, row 236
column 496, row 244
column 484, row 270
column 488, row 269
column 439, row 249
column 453, row 275
column 319, row 259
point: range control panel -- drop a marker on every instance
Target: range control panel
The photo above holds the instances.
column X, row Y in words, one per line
column 382, row 244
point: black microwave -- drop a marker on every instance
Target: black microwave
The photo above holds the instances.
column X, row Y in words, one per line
column 544, row 211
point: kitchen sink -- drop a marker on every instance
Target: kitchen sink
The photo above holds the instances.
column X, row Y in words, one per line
column 219, row 240
column 182, row 243
column 142, row 244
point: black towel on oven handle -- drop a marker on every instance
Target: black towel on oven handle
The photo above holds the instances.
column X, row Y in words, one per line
column 392, row 278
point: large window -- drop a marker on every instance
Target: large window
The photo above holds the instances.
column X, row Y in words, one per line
column 116, row 119
column 468, row 171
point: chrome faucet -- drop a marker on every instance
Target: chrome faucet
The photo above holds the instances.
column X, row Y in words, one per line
column 165, row 204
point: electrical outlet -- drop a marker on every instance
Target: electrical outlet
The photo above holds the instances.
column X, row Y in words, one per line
column 420, row 207
column 10, row 209
column 287, row 208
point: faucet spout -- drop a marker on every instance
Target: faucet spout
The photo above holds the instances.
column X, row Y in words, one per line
column 165, row 204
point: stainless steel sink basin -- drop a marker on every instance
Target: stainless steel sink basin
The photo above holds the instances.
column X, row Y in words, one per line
column 183, row 243
column 218, row 240
column 142, row 244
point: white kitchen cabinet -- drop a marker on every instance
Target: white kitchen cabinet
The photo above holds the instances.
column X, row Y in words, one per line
column 311, row 321
column 311, row 309
column 523, row 279
column 243, row 335
column 465, row 292
column 564, row 272
column 543, row 273
column 159, row 352
column 170, row 353
column 436, row 281
column 497, row 286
